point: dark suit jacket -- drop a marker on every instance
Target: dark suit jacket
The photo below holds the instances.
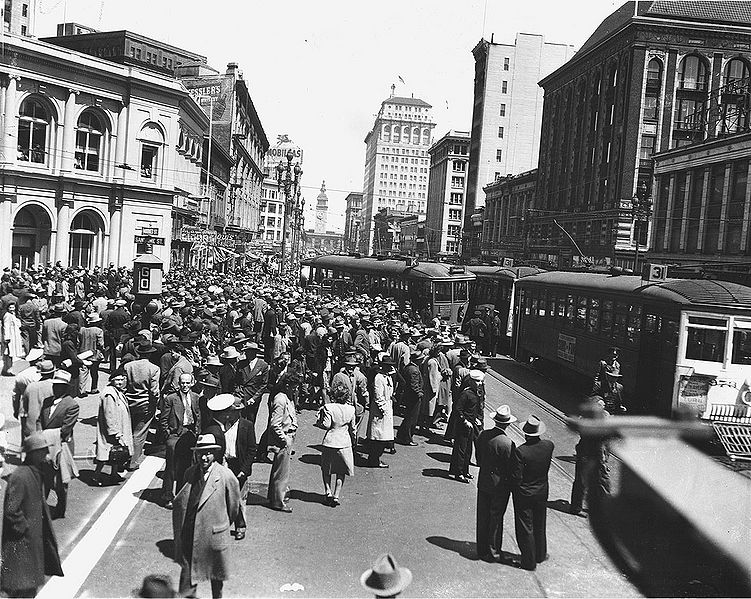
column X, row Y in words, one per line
column 52, row 333
column 173, row 411
column 468, row 407
column 535, row 460
column 64, row 416
column 498, row 459
column 250, row 383
column 245, row 449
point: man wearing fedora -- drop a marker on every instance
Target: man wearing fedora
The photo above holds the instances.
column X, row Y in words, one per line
column 251, row 380
column 228, row 370
column 173, row 365
column 531, row 494
column 22, row 380
column 92, row 339
column 386, row 578
column 143, row 396
column 180, row 422
column 239, row 447
column 467, row 424
column 411, row 398
column 204, row 510
column 52, row 334
column 58, row 417
column 29, row 546
column 34, row 396
column 498, row 460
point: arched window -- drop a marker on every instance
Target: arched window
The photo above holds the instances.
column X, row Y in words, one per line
column 86, row 240
column 736, row 73
column 425, row 137
column 693, row 73
column 152, row 140
column 416, row 136
column 89, row 142
column 406, row 135
column 397, row 134
column 654, row 71
column 387, row 133
column 33, row 123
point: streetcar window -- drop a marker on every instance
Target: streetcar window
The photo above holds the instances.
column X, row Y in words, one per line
column 460, row 291
column 561, row 307
column 619, row 324
column 651, row 324
column 634, row 323
column 541, row 307
column 707, row 322
column 581, row 312
column 534, row 306
column 570, row 309
column 442, row 290
column 707, row 345
column 742, row 342
column 593, row 322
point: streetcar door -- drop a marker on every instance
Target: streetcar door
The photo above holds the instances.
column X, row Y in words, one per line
column 656, row 364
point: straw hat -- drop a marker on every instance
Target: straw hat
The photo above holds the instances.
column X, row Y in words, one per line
column 503, row 415
column 533, row 427
column 386, row 577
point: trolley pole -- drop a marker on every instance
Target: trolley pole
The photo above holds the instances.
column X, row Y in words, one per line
column 288, row 179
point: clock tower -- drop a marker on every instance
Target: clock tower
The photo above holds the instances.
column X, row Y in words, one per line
column 322, row 210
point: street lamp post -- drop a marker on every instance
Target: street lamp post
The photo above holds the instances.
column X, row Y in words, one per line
column 641, row 212
column 287, row 178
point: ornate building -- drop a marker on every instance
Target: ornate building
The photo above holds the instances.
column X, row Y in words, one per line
column 642, row 83
column 446, row 193
column 396, row 163
column 90, row 151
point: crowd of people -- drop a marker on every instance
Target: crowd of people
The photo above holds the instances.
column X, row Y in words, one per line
column 195, row 364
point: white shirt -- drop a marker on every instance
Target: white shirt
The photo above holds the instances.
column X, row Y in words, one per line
column 230, row 436
column 188, row 412
column 54, row 406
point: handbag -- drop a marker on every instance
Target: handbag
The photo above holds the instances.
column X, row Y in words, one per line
column 119, row 454
column 319, row 423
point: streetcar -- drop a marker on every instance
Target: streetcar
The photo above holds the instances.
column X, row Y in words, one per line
column 430, row 287
column 495, row 285
column 684, row 344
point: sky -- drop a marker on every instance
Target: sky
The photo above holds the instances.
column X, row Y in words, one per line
column 318, row 70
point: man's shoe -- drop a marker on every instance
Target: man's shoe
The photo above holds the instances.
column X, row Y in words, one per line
column 239, row 535
column 487, row 558
column 461, row 478
column 469, row 476
column 168, row 504
column 412, row 444
column 382, row 465
column 285, row 508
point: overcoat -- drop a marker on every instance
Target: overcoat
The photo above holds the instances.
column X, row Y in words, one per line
column 381, row 421
column 29, row 546
column 113, row 421
column 217, row 508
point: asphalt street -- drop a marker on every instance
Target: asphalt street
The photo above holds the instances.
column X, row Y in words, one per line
column 113, row 536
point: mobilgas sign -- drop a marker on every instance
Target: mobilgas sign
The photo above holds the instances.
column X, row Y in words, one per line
column 280, row 153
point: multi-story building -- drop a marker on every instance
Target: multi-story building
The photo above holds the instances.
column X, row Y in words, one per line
column 641, row 83
column 508, row 201
column 272, row 199
column 320, row 244
column 507, row 112
column 352, row 221
column 412, row 237
column 396, row 162
column 19, row 16
column 237, row 128
column 89, row 157
column 449, row 157
column 124, row 47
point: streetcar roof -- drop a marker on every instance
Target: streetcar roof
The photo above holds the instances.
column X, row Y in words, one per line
column 504, row 272
column 389, row 267
column 681, row 291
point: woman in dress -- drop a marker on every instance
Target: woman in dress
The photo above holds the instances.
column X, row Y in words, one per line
column 381, row 422
column 13, row 345
column 338, row 420
column 113, row 426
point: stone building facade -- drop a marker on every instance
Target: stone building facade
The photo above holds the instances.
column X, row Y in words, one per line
column 640, row 84
column 89, row 157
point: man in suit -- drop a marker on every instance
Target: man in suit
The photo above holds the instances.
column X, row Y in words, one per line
column 411, row 398
column 52, row 334
column 34, row 397
column 60, row 412
column 29, row 546
column 143, row 396
column 531, row 495
column 204, row 509
column 251, row 380
column 468, row 422
column 282, row 430
column 173, row 365
column 499, row 473
column 180, row 421
column 114, row 329
column 239, row 448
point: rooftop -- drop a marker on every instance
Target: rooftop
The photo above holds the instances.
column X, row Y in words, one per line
column 406, row 101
